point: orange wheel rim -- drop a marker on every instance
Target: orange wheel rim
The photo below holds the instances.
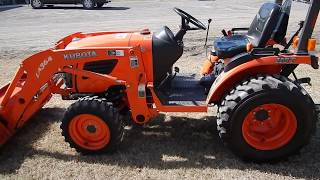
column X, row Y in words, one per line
column 89, row 131
column 269, row 126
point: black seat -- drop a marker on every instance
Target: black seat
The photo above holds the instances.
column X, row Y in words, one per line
column 261, row 30
column 229, row 46
column 270, row 23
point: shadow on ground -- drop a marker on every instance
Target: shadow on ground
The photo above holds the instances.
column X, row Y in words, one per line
column 5, row 8
column 180, row 142
column 81, row 8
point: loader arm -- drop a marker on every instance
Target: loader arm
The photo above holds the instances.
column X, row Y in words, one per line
column 39, row 77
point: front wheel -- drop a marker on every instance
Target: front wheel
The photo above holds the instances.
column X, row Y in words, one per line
column 88, row 4
column 92, row 126
column 266, row 118
column 36, row 4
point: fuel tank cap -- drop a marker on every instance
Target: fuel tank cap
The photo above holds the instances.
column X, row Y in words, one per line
column 145, row 32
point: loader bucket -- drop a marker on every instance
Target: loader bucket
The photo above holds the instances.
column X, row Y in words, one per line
column 5, row 134
column 3, row 91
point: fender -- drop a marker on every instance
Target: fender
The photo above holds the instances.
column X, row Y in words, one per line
column 265, row 65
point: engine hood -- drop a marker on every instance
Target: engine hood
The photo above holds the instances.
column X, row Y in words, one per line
column 108, row 40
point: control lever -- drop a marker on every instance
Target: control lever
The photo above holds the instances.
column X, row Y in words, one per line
column 224, row 32
column 176, row 69
column 300, row 81
column 169, row 77
column 209, row 21
column 306, row 80
column 301, row 23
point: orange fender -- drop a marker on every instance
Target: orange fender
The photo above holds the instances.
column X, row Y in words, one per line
column 266, row 65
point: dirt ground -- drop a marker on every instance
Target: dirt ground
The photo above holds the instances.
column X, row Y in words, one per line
column 172, row 146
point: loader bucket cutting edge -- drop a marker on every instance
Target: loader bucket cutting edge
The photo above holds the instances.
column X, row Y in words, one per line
column 5, row 134
column 3, row 91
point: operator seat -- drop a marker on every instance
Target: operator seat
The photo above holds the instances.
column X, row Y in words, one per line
column 271, row 22
column 261, row 30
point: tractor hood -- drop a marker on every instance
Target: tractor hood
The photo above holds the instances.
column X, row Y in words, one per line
column 123, row 39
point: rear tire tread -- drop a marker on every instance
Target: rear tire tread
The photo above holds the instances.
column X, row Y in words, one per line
column 242, row 91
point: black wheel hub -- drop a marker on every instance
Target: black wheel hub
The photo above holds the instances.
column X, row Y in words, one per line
column 261, row 115
column 91, row 129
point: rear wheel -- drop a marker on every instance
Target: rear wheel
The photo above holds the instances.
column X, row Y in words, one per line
column 99, row 5
column 266, row 118
column 36, row 4
column 92, row 126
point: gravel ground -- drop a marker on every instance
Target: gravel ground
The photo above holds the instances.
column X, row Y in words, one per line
column 173, row 145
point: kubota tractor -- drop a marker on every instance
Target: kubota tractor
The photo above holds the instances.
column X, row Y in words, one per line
column 263, row 115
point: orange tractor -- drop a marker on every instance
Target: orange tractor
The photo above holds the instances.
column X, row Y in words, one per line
column 262, row 114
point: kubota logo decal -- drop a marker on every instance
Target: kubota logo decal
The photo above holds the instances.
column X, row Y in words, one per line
column 43, row 65
column 79, row 55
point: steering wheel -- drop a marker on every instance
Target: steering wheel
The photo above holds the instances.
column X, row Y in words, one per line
column 189, row 18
